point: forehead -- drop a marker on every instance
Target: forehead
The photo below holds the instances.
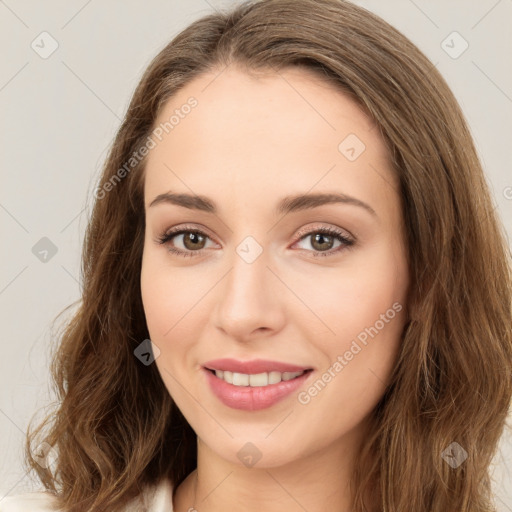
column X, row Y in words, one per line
column 282, row 131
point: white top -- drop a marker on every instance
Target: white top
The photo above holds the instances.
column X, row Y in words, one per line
column 155, row 498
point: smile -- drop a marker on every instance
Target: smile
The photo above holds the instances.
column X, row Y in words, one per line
column 253, row 392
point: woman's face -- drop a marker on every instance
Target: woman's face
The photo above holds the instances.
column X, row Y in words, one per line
column 264, row 282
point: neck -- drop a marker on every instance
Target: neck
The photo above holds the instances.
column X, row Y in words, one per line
column 315, row 482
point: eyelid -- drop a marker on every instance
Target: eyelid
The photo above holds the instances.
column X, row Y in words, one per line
column 187, row 227
column 317, row 228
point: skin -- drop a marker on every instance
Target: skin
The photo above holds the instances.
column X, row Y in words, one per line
column 249, row 142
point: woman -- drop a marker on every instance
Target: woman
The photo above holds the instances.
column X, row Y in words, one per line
column 293, row 212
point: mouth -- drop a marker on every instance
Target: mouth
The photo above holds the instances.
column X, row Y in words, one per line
column 254, row 391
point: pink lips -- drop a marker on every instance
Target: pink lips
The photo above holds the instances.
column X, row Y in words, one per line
column 252, row 367
column 252, row 398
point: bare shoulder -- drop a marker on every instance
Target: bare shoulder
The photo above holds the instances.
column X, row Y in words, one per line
column 30, row 502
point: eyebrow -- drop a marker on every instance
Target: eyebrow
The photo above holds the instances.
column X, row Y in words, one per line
column 288, row 204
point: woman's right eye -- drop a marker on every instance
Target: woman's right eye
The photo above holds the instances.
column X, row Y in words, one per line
column 191, row 239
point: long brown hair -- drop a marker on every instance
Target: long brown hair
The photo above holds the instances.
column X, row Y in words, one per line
column 116, row 429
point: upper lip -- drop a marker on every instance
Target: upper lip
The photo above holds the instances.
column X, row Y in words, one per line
column 253, row 367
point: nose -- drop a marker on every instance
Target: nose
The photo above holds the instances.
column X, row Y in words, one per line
column 250, row 299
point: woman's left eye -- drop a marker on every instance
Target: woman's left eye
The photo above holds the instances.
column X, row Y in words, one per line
column 194, row 241
column 322, row 237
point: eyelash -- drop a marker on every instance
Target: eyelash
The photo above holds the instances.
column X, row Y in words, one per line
column 347, row 243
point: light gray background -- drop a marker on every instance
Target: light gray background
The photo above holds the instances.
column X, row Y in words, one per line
column 59, row 115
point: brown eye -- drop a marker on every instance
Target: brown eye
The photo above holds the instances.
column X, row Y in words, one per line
column 322, row 241
column 193, row 240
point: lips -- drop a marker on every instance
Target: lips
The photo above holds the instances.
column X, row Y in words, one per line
column 248, row 395
column 253, row 367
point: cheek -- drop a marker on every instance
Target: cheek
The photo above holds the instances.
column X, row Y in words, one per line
column 171, row 296
column 352, row 297
column 176, row 309
column 164, row 299
column 365, row 307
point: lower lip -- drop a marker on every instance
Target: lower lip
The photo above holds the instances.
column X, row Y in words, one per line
column 249, row 398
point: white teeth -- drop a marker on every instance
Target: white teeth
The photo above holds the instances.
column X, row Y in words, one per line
column 240, row 379
column 274, row 377
column 255, row 380
column 259, row 379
